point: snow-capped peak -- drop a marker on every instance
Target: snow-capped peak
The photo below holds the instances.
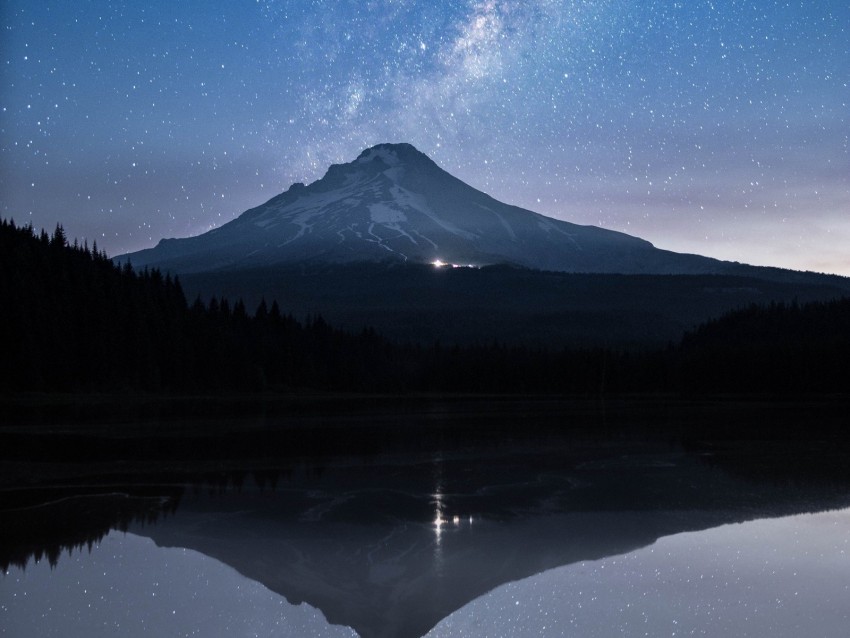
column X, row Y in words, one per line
column 393, row 202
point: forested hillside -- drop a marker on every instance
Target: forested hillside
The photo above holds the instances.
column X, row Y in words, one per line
column 778, row 347
column 73, row 321
column 517, row 306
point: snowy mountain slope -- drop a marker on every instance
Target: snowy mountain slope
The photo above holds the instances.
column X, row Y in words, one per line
column 394, row 203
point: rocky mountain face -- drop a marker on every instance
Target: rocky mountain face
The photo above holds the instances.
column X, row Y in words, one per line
column 394, row 204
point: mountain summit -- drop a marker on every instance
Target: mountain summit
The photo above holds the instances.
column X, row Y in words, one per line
column 394, row 203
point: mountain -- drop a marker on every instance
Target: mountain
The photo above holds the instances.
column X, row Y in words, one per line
column 356, row 247
column 393, row 203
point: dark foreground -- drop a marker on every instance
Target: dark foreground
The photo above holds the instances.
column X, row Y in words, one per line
column 50, row 438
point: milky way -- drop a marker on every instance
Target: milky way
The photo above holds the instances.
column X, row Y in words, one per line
column 713, row 127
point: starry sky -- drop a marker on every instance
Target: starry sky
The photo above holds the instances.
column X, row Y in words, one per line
column 720, row 127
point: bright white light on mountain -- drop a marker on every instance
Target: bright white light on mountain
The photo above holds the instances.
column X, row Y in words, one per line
column 438, row 263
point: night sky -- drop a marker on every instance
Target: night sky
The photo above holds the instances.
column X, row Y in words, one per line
column 717, row 127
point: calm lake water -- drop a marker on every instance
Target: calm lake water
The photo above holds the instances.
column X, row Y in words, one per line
column 517, row 520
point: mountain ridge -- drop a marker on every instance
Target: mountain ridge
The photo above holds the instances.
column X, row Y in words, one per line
column 394, row 203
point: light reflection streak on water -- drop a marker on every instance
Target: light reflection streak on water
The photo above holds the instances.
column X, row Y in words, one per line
column 439, row 521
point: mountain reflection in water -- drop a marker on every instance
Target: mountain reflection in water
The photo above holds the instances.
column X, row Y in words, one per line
column 465, row 539
column 785, row 577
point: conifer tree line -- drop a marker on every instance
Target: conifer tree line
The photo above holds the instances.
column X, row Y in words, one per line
column 73, row 321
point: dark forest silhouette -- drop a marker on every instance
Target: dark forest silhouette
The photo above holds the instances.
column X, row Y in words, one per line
column 86, row 519
column 73, row 321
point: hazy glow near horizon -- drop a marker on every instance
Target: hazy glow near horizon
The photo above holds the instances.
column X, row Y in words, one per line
column 718, row 127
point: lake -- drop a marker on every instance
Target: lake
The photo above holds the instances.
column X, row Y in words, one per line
column 430, row 517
